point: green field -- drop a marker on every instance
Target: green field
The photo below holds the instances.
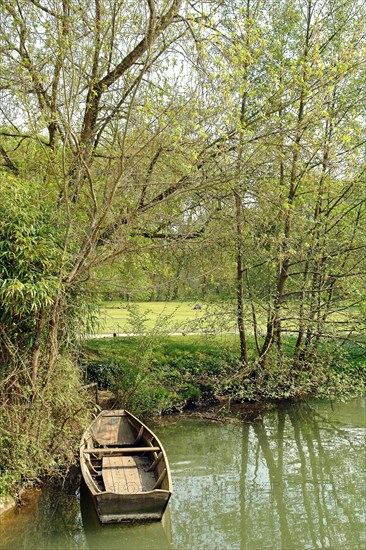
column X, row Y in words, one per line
column 182, row 317
column 115, row 317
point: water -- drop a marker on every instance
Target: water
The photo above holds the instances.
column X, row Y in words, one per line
column 293, row 480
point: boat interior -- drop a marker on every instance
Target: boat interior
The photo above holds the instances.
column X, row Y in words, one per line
column 122, row 455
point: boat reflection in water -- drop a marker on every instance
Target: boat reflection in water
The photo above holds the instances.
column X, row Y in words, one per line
column 129, row 536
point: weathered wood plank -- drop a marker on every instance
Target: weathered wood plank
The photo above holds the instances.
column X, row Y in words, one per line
column 114, row 414
column 113, row 430
column 120, row 450
column 127, row 475
column 160, row 479
column 156, row 462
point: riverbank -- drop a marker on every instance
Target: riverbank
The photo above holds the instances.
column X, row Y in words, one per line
column 160, row 375
column 6, row 504
column 154, row 376
column 28, row 498
column 228, row 476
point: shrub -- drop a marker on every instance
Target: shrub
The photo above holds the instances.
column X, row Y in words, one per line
column 184, row 371
column 40, row 437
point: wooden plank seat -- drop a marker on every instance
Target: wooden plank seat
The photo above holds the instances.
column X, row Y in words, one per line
column 120, row 450
column 127, row 475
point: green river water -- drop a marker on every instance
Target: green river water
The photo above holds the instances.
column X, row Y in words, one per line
column 291, row 479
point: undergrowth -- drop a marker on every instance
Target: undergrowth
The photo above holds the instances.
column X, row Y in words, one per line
column 193, row 371
column 39, row 435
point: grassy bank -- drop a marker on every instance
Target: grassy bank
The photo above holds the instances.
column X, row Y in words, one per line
column 151, row 374
column 163, row 374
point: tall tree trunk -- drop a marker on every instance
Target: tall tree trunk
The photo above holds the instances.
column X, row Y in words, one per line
column 274, row 323
column 239, row 213
column 239, row 277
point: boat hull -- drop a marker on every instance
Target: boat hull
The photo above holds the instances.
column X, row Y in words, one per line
column 112, row 508
column 125, row 469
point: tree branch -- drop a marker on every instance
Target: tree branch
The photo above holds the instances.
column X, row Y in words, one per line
column 8, row 162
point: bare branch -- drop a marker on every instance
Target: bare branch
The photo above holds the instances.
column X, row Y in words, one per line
column 8, row 162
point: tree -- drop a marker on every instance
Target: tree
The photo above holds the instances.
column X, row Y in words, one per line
column 291, row 97
column 154, row 124
column 95, row 114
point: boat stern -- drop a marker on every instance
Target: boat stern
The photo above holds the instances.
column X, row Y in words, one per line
column 116, row 508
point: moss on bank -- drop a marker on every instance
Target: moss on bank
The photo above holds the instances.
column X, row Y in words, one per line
column 6, row 503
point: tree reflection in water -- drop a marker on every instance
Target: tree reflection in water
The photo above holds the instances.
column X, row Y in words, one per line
column 294, row 480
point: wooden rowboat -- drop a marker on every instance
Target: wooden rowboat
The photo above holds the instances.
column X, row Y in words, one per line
column 125, row 468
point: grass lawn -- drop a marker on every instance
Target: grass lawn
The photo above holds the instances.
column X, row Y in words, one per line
column 115, row 348
column 181, row 316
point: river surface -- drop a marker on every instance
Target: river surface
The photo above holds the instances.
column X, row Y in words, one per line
column 292, row 479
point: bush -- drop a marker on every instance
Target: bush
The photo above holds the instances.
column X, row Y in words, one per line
column 186, row 371
column 40, row 438
column 103, row 372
